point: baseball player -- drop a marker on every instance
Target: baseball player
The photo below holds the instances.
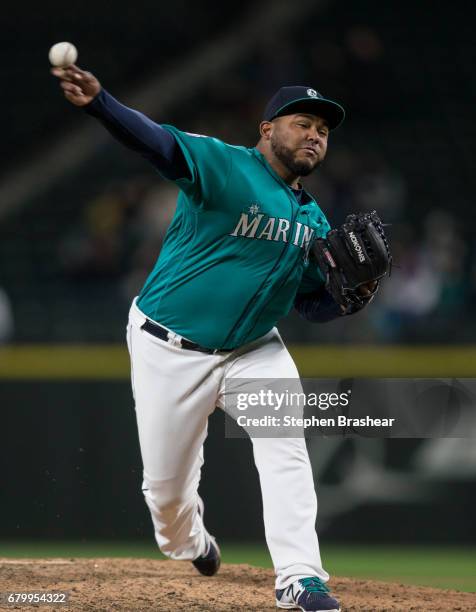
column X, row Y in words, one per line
column 235, row 260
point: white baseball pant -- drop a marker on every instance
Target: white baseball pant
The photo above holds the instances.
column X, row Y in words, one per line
column 175, row 391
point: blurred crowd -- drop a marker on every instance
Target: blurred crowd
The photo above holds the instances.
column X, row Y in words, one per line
column 398, row 152
column 433, row 281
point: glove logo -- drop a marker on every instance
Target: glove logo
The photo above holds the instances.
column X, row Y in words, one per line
column 329, row 258
column 357, row 247
column 312, row 93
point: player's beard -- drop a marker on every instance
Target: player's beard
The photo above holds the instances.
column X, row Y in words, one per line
column 287, row 157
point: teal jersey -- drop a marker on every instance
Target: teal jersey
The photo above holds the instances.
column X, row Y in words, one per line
column 237, row 250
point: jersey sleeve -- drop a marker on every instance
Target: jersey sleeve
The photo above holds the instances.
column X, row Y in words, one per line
column 209, row 164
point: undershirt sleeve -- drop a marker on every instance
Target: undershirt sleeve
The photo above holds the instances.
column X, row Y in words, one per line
column 139, row 133
column 317, row 307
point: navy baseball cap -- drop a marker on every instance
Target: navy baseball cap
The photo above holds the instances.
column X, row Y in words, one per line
column 301, row 99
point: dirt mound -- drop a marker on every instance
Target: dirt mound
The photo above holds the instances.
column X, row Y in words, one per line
column 145, row 585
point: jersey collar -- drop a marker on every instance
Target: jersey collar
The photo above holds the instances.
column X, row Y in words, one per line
column 262, row 159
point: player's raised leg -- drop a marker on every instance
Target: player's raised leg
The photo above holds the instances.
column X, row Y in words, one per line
column 172, row 423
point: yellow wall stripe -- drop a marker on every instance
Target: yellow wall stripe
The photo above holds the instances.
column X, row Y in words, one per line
column 111, row 362
column 59, row 362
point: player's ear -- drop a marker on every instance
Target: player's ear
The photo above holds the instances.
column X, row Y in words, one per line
column 266, row 129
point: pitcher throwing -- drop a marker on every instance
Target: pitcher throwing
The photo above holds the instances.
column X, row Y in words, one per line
column 237, row 257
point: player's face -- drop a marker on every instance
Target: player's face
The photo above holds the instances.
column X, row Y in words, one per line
column 300, row 142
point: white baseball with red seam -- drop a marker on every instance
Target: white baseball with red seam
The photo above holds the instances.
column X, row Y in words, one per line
column 63, row 54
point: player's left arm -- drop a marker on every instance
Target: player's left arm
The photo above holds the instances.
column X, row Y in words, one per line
column 320, row 307
column 313, row 302
column 317, row 305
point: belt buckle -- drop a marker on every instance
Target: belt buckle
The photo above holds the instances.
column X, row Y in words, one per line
column 174, row 339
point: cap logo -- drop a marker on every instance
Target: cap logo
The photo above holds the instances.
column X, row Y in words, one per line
column 312, row 93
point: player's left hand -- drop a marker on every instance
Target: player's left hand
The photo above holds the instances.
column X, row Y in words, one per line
column 368, row 288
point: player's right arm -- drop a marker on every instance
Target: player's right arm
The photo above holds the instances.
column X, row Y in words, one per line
column 131, row 128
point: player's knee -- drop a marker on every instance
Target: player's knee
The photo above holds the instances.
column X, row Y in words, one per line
column 164, row 497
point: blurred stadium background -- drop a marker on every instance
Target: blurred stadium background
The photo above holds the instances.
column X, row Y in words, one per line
column 82, row 221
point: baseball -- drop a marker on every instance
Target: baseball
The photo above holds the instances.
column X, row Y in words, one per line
column 63, row 54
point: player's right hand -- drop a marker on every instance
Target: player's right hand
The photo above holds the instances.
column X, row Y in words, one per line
column 80, row 87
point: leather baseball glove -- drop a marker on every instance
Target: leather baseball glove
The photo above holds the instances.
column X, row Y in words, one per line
column 353, row 259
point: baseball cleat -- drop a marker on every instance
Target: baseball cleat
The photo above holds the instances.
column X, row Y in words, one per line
column 209, row 563
column 307, row 594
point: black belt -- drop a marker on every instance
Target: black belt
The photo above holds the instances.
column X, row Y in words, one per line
column 163, row 334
